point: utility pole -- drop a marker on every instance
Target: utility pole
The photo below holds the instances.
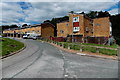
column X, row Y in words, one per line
column 72, row 27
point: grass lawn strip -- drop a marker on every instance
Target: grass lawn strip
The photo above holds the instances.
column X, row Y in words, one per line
column 107, row 50
column 10, row 46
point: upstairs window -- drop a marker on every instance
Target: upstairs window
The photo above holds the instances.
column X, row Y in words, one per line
column 98, row 24
column 67, row 24
column 32, row 31
column 61, row 31
column 87, row 29
column 37, row 31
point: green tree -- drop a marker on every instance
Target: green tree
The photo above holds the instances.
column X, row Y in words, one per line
column 92, row 14
column 115, row 20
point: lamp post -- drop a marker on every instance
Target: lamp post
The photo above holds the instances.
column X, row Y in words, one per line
column 72, row 27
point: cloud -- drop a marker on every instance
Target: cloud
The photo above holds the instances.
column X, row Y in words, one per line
column 59, row 0
column 10, row 13
column 113, row 11
column 41, row 11
column 37, row 12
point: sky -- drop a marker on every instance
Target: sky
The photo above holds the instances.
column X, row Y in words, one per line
column 35, row 12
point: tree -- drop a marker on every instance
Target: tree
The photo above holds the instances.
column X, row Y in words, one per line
column 46, row 21
column 103, row 14
column 71, row 12
column 95, row 14
column 115, row 20
column 13, row 26
column 9, row 26
column 92, row 14
column 24, row 25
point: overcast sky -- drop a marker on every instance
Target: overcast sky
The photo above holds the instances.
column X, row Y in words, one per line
column 35, row 12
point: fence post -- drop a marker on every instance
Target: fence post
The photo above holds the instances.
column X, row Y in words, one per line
column 97, row 50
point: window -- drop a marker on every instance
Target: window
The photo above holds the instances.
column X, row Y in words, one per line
column 61, row 31
column 87, row 29
column 32, row 30
column 98, row 24
column 67, row 24
column 37, row 30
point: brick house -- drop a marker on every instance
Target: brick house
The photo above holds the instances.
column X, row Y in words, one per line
column 62, row 29
column 80, row 26
column 45, row 30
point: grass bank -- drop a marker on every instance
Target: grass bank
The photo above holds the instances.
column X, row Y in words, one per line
column 92, row 44
column 89, row 47
column 9, row 45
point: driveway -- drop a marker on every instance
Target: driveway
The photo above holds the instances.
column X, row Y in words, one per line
column 42, row 60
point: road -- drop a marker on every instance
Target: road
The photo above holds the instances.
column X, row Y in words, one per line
column 42, row 60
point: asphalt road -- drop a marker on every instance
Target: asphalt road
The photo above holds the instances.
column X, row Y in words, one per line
column 42, row 60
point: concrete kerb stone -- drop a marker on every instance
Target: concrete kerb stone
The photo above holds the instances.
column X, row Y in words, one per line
column 97, row 56
column 14, row 52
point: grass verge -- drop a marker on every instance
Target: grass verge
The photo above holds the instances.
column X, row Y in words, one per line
column 92, row 44
column 89, row 48
column 9, row 45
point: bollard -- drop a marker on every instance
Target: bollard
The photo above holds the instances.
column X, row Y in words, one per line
column 97, row 50
column 118, row 62
column 68, row 46
column 63, row 45
column 81, row 49
column 118, row 53
column 56, row 43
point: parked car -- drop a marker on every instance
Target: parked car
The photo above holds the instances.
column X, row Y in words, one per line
column 30, row 36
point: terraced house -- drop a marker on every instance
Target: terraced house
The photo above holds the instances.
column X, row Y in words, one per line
column 45, row 30
column 79, row 27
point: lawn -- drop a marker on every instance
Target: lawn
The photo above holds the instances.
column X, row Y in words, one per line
column 8, row 46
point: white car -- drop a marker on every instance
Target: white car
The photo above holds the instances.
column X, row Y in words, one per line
column 30, row 36
column 25, row 36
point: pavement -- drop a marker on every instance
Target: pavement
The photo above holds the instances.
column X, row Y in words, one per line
column 42, row 60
